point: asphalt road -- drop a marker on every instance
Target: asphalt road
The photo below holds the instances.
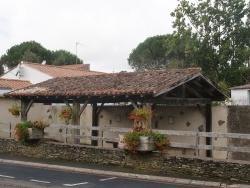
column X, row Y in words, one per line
column 13, row 176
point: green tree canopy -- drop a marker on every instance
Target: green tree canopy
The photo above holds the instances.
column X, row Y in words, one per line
column 1, row 69
column 165, row 51
column 26, row 51
column 62, row 57
column 149, row 54
column 223, row 31
column 32, row 51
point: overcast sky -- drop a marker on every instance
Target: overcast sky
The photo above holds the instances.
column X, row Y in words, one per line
column 108, row 29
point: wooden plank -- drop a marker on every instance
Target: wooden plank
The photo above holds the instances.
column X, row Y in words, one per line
column 5, row 131
column 182, row 145
column 4, row 123
column 59, row 135
column 111, row 129
column 176, row 133
column 173, row 144
column 224, row 135
column 225, row 148
column 166, row 132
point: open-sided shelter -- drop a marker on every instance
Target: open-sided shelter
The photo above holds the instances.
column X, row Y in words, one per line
column 156, row 87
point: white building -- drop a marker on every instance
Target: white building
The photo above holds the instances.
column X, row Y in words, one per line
column 240, row 95
column 36, row 73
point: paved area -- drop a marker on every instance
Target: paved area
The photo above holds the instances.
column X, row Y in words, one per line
column 110, row 171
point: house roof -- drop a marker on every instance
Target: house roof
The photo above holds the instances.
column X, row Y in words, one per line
column 13, row 84
column 60, row 71
column 76, row 66
column 149, row 83
column 246, row 86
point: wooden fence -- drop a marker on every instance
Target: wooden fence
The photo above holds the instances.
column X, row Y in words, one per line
column 196, row 146
column 73, row 132
column 6, row 128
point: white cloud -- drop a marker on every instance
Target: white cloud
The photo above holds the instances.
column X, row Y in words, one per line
column 109, row 29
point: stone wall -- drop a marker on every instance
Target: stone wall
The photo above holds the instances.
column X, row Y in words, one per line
column 147, row 162
column 239, row 122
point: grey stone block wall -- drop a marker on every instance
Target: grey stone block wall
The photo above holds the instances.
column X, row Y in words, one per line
column 144, row 162
column 239, row 122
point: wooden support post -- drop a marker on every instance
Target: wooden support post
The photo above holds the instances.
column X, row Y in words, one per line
column 94, row 123
column 133, row 104
column 197, row 154
column 83, row 108
column 24, row 113
column 10, row 129
column 208, row 127
column 76, row 120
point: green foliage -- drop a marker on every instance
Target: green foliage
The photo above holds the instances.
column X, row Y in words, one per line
column 222, row 29
column 150, row 54
column 32, row 51
column 67, row 114
column 132, row 139
column 1, row 69
column 62, row 57
column 165, row 51
column 25, row 51
column 15, row 110
column 21, row 131
column 161, row 141
column 40, row 124
column 30, row 56
column 142, row 116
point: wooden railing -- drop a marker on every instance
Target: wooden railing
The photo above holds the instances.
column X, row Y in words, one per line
column 72, row 131
column 196, row 145
column 7, row 128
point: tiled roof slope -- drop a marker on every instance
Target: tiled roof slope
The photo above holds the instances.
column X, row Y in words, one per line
column 246, row 86
column 148, row 82
column 60, row 71
column 76, row 66
column 13, row 84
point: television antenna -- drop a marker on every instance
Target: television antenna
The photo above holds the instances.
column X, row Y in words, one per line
column 77, row 43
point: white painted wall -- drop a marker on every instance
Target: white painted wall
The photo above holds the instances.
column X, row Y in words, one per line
column 6, row 119
column 24, row 72
column 219, row 124
column 189, row 118
column 240, row 97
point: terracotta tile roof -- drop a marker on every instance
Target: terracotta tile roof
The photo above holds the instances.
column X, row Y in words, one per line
column 132, row 83
column 13, row 84
column 246, row 86
column 76, row 66
column 60, row 71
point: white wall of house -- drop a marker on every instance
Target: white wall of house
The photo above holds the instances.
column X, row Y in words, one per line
column 240, row 96
column 24, row 72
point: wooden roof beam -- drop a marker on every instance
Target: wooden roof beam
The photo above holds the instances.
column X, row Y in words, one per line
column 191, row 90
column 83, row 107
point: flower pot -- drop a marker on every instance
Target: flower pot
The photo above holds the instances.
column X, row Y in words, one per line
column 35, row 133
column 146, row 144
column 67, row 116
column 121, row 143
